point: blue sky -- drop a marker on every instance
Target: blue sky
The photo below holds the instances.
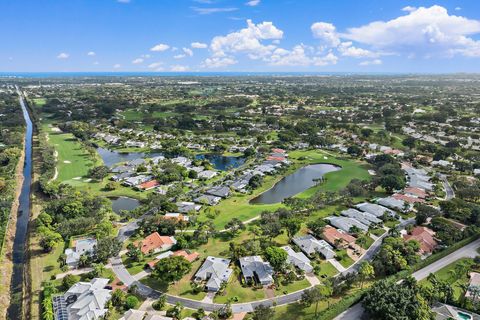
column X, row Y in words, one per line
column 248, row 35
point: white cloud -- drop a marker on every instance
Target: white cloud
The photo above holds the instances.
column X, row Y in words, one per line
column 326, row 32
column 179, row 68
column 91, row 54
column 218, row 62
column 145, row 56
column 371, row 62
column 458, row 8
column 63, row 55
column 137, row 61
column 348, row 50
column 116, row 66
column 188, row 51
column 247, row 40
column 409, row 9
column 155, row 65
column 179, row 56
column 428, row 31
column 199, row 45
column 123, row 1
column 298, row 57
column 212, row 10
column 160, row 47
column 253, row 3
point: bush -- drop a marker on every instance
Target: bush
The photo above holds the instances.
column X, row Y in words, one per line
column 131, row 302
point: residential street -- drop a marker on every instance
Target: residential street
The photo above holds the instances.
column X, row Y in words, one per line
column 470, row 251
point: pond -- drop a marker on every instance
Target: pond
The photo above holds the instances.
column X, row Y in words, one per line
column 222, row 163
column 301, row 180
column 124, row 203
column 111, row 157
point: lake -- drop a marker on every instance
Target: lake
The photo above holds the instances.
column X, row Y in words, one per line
column 124, row 203
column 301, row 180
column 111, row 157
column 220, row 162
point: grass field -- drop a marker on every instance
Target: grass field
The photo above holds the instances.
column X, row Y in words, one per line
column 73, row 161
column 448, row 274
column 39, row 102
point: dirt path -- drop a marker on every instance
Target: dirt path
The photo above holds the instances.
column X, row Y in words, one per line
column 6, row 264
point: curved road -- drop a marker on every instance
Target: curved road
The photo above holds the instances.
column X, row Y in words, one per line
column 123, row 275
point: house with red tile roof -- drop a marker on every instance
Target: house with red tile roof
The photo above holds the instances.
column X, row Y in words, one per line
column 337, row 238
column 189, row 256
column 425, row 238
column 148, row 185
column 417, row 192
column 156, row 243
column 407, row 198
column 278, row 150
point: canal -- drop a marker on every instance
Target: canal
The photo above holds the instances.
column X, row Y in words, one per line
column 15, row 310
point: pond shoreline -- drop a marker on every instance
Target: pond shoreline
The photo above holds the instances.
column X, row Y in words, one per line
column 296, row 171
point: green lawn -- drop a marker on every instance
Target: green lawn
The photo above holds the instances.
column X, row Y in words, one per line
column 327, row 270
column 73, row 161
column 236, row 291
column 367, row 244
column 39, row 101
column 292, row 287
column 378, row 232
column 183, row 287
column 346, row 261
column 448, row 274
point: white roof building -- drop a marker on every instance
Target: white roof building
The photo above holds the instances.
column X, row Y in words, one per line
column 83, row 301
column 311, row 245
column 298, row 259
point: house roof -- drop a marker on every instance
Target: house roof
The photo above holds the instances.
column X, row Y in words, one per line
column 149, row 185
column 424, row 236
column 309, row 244
column 345, row 223
column 332, row 235
column 363, row 217
column 216, row 270
column 90, row 299
column 155, row 241
column 192, row 256
column 254, row 265
column 419, row 192
column 133, row 315
column 407, row 198
column 298, row 259
column 375, row 209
